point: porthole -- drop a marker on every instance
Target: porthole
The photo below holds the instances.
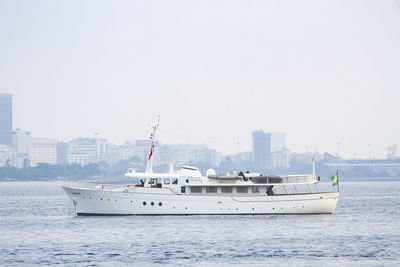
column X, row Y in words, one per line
column 273, row 208
column 108, row 199
column 101, row 199
column 131, row 201
column 152, row 203
column 252, row 208
column 185, row 208
column 144, row 203
column 159, row 204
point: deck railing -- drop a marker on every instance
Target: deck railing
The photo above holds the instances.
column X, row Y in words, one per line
column 95, row 186
column 299, row 179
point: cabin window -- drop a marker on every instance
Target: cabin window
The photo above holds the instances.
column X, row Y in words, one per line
column 241, row 189
column 175, row 181
column 226, row 189
column 152, row 181
column 166, row 181
column 254, row 189
column 195, row 189
column 183, row 189
column 211, row 189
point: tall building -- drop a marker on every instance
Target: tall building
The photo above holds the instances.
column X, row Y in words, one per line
column 278, row 141
column 113, row 154
column 21, row 140
column 62, row 153
column 261, row 148
column 280, row 159
column 83, row 151
column 264, row 144
column 6, row 119
column 43, row 150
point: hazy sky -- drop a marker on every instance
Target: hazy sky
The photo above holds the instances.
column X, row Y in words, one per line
column 322, row 72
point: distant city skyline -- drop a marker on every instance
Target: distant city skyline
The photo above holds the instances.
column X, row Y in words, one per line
column 371, row 151
column 324, row 73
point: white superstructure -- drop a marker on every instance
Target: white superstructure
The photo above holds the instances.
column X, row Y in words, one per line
column 188, row 192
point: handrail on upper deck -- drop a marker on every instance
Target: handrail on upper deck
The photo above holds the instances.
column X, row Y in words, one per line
column 299, row 179
column 98, row 186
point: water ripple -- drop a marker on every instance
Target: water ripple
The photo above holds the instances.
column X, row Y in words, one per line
column 38, row 228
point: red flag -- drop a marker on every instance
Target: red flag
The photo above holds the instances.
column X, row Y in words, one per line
column 151, row 151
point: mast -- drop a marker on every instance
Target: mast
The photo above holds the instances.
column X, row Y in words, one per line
column 149, row 166
column 313, row 168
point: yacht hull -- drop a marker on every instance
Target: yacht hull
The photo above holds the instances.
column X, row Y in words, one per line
column 163, row 201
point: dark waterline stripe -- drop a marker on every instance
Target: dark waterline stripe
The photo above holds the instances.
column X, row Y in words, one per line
column 196, row 214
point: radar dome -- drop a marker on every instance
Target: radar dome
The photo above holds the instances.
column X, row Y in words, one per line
column 210, row 172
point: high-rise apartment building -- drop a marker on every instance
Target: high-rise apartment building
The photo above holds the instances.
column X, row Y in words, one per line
column 62, row 153
column 22, row 140
column 83, row 151
column 280, row 159
column 6, row 119
column 261, row 148
column 43, row 150
column 264, row 144
column 278, row 141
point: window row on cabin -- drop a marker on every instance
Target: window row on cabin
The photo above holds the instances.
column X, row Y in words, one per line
column 224, row 189
column 166, row 180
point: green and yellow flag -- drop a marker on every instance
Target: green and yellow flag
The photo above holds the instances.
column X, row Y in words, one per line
column 335, row 179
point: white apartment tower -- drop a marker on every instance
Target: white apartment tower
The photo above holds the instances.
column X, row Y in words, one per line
column 43, row 150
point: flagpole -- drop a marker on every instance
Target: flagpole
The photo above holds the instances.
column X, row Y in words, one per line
column 337, row 175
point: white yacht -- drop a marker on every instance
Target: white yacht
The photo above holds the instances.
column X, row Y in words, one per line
column 188, row 192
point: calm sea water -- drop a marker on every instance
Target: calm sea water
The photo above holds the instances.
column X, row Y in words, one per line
column 38, row 227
